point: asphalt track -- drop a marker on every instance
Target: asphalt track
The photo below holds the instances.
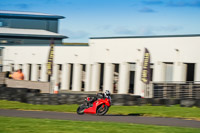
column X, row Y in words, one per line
column 107, row 118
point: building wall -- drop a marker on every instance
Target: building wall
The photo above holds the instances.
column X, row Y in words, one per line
column 163, row 50
column 132, row 49
column 38, row 54
column 168, row 55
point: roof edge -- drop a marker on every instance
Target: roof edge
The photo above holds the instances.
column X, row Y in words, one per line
column 29, row 15
column 153, row 36
column 32, row 35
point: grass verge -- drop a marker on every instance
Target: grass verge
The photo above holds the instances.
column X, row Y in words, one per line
column 157, row 111
column 26, row 125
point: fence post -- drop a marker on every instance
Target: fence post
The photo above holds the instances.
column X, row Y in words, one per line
column 145, row 90
column 177, row 93
column 165, row 90
column 190, row 90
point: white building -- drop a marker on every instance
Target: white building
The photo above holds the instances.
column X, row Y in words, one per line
column 173, row 58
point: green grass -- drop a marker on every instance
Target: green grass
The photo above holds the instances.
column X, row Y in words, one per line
column 158, row 111
column 30, row 125
column 24, row 106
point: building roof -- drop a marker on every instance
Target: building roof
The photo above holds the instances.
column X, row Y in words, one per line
column 28, row 15
column 75, row 44
column 14, row 32
column 156, row 36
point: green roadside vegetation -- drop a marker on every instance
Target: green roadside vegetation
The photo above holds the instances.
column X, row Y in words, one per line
column 157, row 111
column 30, row 125
column 24, row 106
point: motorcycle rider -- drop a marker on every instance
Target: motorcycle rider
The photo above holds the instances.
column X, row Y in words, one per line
column 98, row 95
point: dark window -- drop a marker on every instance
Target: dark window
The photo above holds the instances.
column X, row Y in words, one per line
column 190, row 72
column 10, row 41
column 83, row 76
column 101, row 76
column 71, row 76
column 132, row 77
column 151, row 72
column 30, row 70
column 116, row 77
column 14, row 41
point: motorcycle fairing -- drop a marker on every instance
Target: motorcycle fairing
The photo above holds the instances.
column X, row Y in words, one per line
column 93, row 109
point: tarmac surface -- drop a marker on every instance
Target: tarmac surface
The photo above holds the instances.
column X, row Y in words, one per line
column 107, row 118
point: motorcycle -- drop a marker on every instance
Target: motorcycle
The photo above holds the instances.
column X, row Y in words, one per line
column 98, row 107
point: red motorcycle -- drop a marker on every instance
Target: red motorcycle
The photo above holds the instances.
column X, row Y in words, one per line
column 98, row 107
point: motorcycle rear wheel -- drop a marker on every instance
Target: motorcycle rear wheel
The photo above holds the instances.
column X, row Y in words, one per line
column 80, row 110
column 102, row 109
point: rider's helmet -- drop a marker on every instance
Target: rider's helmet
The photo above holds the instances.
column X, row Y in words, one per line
column 107, row 93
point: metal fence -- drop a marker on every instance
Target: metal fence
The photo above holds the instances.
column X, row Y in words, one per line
column 173, row 90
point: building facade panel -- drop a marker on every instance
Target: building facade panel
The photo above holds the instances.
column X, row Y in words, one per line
column 160, row 48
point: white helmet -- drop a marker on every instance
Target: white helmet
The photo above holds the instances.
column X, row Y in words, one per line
column 107, row 93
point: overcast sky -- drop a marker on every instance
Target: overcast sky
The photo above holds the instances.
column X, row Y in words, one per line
column 108, row 18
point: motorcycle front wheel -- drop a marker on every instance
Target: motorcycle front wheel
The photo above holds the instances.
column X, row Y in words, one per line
column 102, row 109
column 80, row 110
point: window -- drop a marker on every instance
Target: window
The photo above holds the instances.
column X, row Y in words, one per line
column 3, row 41
column 151, row 72
column 190, row 71
column 1, row 24
column 132, row 77
column 11, row 41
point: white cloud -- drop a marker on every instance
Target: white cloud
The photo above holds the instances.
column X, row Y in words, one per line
column 147, row 10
